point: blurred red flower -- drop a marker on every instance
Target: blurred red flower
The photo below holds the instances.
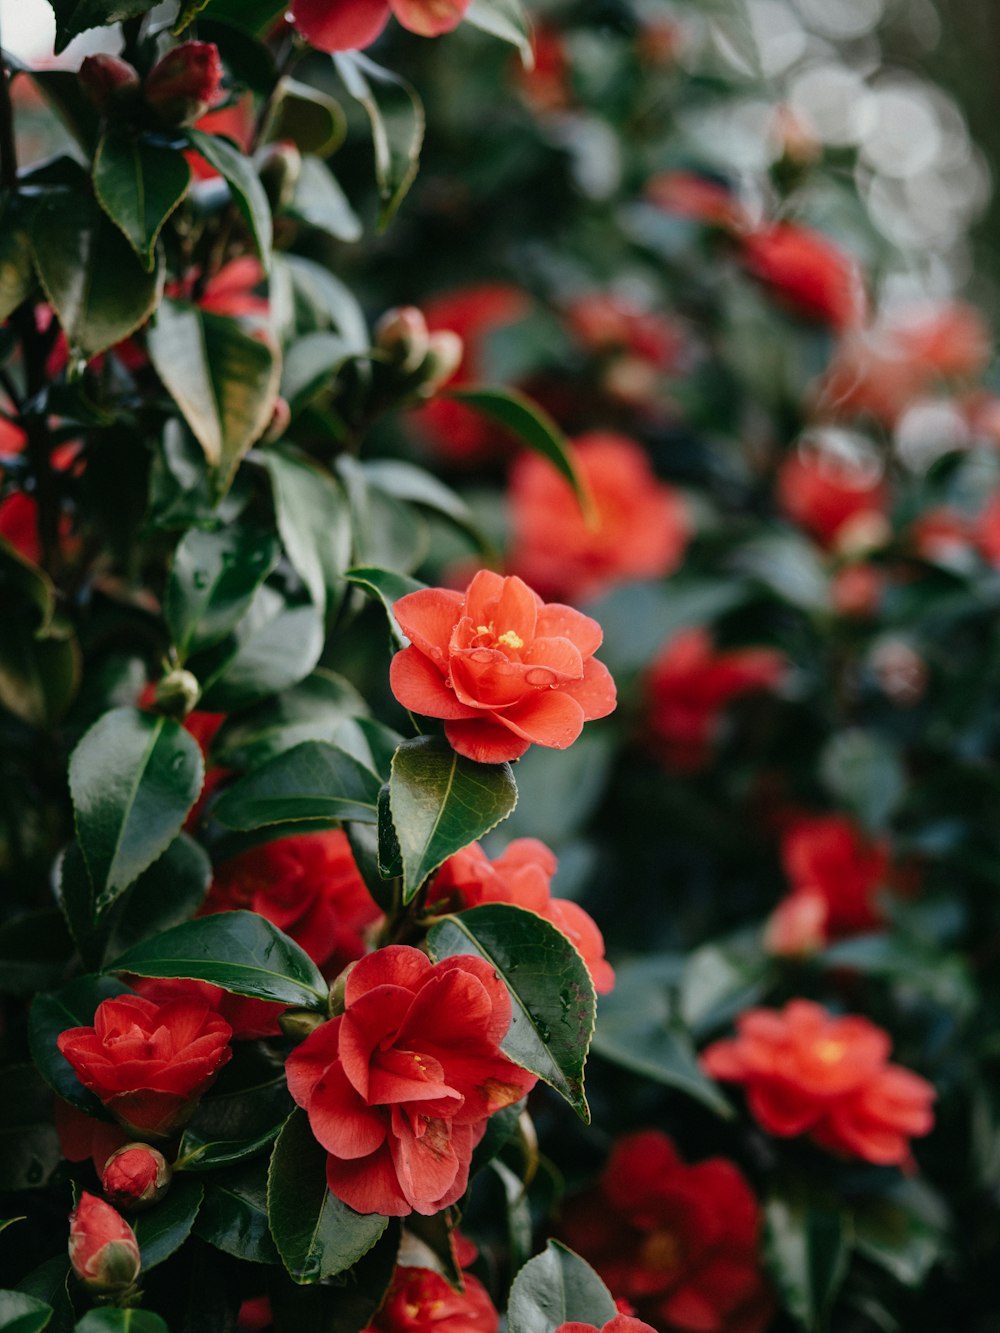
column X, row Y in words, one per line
column 399, row 1088
column 502, row 668
column 678, row 1242
column 522, row 875
column 838, row 500
column 689, row 685
column 347, row 25
column 308, row 886
column 248, row 1017
column 828, row 858
column 622, row 1323
column 806, row 1072
column 422, row 1301
column 687, row 194
column 807, row 273
column 641, row 525
column 148, row 1063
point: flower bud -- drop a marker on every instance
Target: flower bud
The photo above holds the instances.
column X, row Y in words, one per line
column 297, row 1024
column 107, row 81
column 177, row 693
column 135, row 1177
column 280, row 419
column 103, row 1249
column 279, row 166
column 184, row 83
column 402, row 333
column 798, row 926
column 444, row 356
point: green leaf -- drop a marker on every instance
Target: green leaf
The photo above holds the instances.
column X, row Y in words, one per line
column 533, row 427
column 403, row 481
column 440, row 802
column 189, row 11
column 322, row 301
column 903, row 1232
column 864, row 773
column 133, row 778
column 29, row 1144
column 17, row 276
column 165, row 895
column 274, row 646
column 213, row 580
column 807, row 1244
column 231, row 1126
column 320, row 202
column 233, row 1217
column 239, row 951
column 71, row 1007
column 139, row 184
column 164, row 1228
column 557, row 1287
column 314, row 710
column 505, row 19
column 76, row 16
column 314, row 521
column 344, row 1306
column 637, row 1030
column 550, row 989
column 397, row 122
column 223, row 379
column 91, row 275
column 121, row 1321
column 39, row 675
column 317, row 1236
column 76, row 902
column 238, row 172
column 387, row 586
column 311, row 781
column 49, row 1282
column 387, row 534
column 20, row 1313
column 306, row 117
column 310, row 365
column 256, row 17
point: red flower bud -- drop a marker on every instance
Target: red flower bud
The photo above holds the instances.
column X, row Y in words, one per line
column 106, row 80
column 402, row 333
column 135, row 1176
column 102, row 1246
column 184, row 83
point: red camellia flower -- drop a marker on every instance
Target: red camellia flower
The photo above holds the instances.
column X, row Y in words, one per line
column 148, row 1063
column 308, row 886
column 184, row 83
column 806, row 272
column 248, row 1017
column 806, row 1072
column 697, row 198
column 522, row 876
column 839, row 500
column 678, row 1242
column 136, row 1176
column 422, row 1301
column 347, row 25
column 502, row 668
column 640, row 530
column 622, row 1323
column 103, row 1250
column 399, row 1088
column 689, row 685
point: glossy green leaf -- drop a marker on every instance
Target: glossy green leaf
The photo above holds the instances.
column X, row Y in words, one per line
column 274, row 646
column 133, row 778
column 322, row 302
column 388, row 534
column 404, row 481
column 20, row 1313
column 121, row 1321
column 314, row 522
column 17, row 275
column 550, row 989
column 320, row 202
column 29, row 1144
column 533, row 427
column 189, row 11
column 306, row 117
column 557, row 1287
column 75, row 894
column 807, row 1245
column 95, row 281
column 234, row 1124
column 256, row 17
column 223, row 379
column 440, row 802
column 903, row 1231
column 76, row 16
column 212, row 583
column 165, row 895
column 39, row 675
column 139, row 184
column 239, row 951
column 49, row 1282
column 233, row 1217
column 387, row 586
column 238, row 172
column 310, row 365
column 396, row 115
column 317, row 1235
column 163, row 1229
column 864, row 772
column 314, row 710
column 505, row 19
column 345, row 1305
column 52, row 1013
column 311, row 781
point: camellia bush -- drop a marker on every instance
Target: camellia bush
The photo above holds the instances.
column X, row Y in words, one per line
column 499, row 548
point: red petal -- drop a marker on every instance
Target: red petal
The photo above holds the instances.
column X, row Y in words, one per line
column 340, row 1120
column 430, row 18
column 418, row 684
column 370, row 1020
column 558, row 621
column 596, row 693
column 424, row 1156
column 427, row 618
column 307, row 1064
column 484, row 740
column 340, row 25
column 368, row 1184
column 395, row 965
column 547, row 717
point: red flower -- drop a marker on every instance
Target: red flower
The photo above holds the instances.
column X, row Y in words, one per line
column 522, row 876
column 309, row 887
column 689, row 686
column 547, row 85
column 184, row 83
column 399, row 1089
column 840, row 501
column 678, row 1242
column 103, row 1249
column 82, row 1136
column 698, row 198
column 503, row 669
column 807, row 273
column 421, row 1301
column 149, row 1063
column 621, row 1323
column 454, row 430
column 346, row 25
column 136, row 1176
column 235, row 122
column 806, row 1072
column 641, row 526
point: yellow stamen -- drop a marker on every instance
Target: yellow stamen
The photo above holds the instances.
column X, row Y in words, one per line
column 830, row 1051
column 511, row 639
column 482, row 629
